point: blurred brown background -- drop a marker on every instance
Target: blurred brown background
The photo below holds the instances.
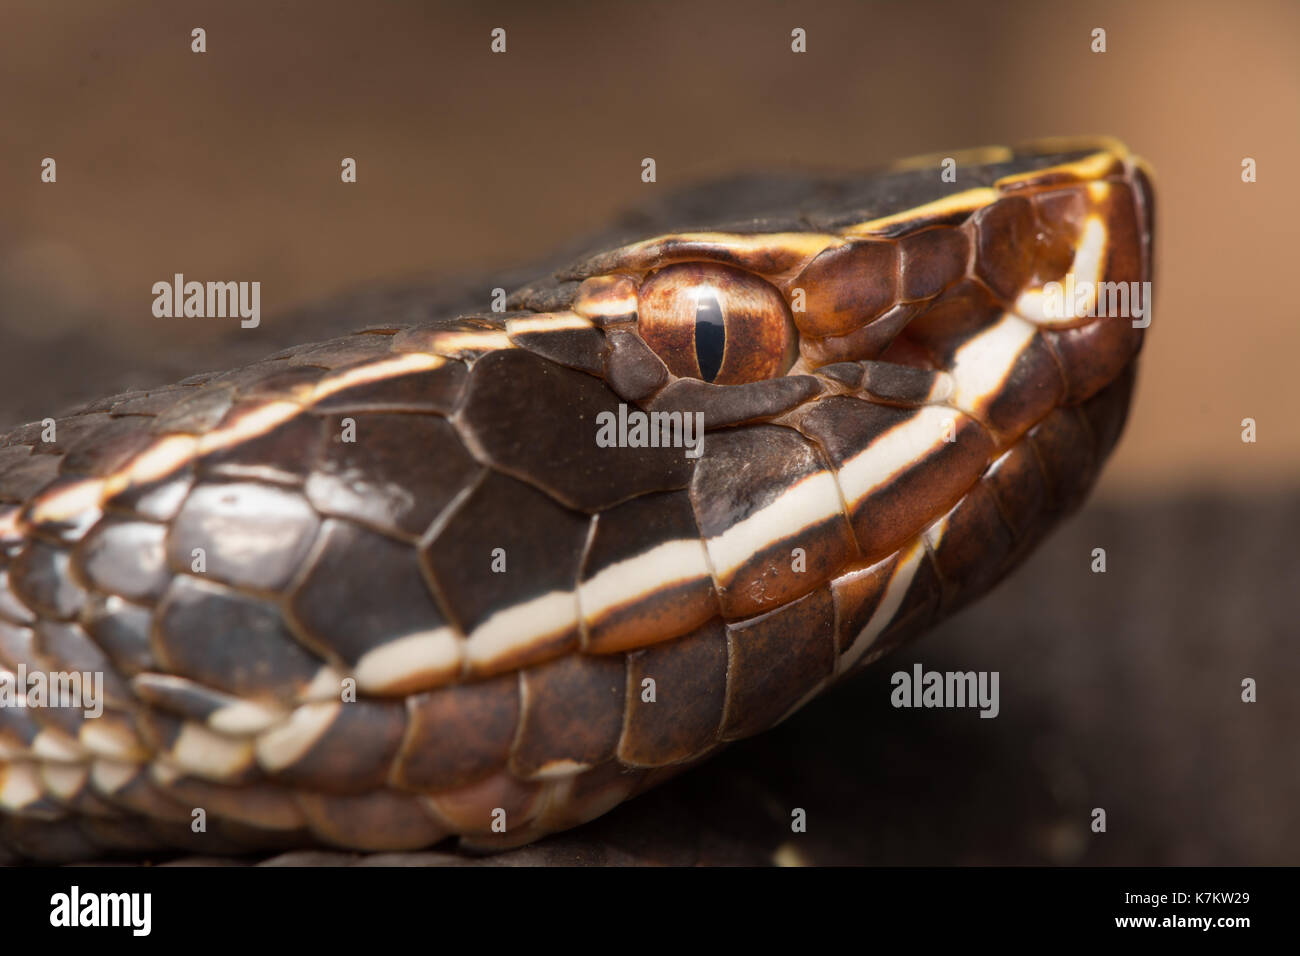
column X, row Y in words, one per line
column 225, row 165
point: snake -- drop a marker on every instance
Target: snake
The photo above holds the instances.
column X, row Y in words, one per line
column 479, row 578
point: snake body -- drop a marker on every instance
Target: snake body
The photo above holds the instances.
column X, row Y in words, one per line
column 387, row 589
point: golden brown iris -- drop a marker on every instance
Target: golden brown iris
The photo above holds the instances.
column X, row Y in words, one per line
column 716, row 323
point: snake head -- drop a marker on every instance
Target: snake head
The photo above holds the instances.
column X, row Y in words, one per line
column 1038, row 254
column 955, row 334
column 893, row 393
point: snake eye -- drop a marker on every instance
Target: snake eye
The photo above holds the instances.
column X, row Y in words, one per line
column 716, row 323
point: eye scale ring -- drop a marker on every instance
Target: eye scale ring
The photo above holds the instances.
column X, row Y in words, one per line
column 716, row 323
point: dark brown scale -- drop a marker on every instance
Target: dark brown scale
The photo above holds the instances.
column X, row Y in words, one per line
column 150, row 403
column 1093, row 355
column 1030, row 391
column 379, row 820
column 124, row 834
column 868, row 342
column 545, row 296
column 252, row 534
column 265, row 808
column 856, row 595
column 724, row 405
column 897, row 384
column 343, row 351
column 158, row 500
column 775, row 660
column 884, row 519
column 164, row 734
column 269, row 378
column 229, row 641
column 632, row 369
column 458, row 735
column 18, row 725
column 141, row 795
column 690, row 683
column 540, row 557
column 41, row 578
column 1017, row 482
column 1064, row 445
column 284, row 383
column 561, row 455
column 743, row 473
column 1107, row 411
column 284, row 454
column 976, row 542
column 919, row 609
column 1145, row 196
column 932, row 260
column 1125, row 259
column 962, row 311
column 353, row 753
column 895, row 191
column 849, row 374
column 1005, row 230
column 619, row 534
column 447, row 338
column 12, row 458
column 110, row 402
column 11, row 608
column 1060, row 216
column 90, row 808
column 595, row 792
column 436, row 390
column 572, row 713
column 68, row 648
column 121, row 629
column 180, row 696
column 198, row 412
column 470, row 808
column 673, row 250
column 25, row 474
column 331, row 617
column 69, row 432
column 62, row 528
column 848, row 286
column 375, row 480
column 581, row 349
column 57, row 840
column 107, row 449
column 21, row 440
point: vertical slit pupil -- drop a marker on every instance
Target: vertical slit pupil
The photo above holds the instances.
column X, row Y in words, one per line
column 710, row 334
